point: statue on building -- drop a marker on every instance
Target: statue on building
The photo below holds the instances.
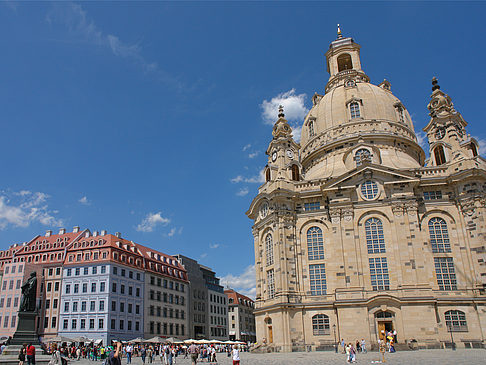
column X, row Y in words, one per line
column 29, row 293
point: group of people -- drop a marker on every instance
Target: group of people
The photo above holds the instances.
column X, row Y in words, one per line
column 351, row 349
column 209, row 353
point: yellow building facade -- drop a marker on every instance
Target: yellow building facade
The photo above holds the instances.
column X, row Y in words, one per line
column 357, row 234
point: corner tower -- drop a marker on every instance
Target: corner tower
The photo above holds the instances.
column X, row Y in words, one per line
column 446, row 131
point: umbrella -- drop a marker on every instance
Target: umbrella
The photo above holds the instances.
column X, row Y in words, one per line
column 81, row 339
column 173, row 340
column 155, row 339
column 203, row 341
column 137, row 340
column 191, row 340
column 59, row 339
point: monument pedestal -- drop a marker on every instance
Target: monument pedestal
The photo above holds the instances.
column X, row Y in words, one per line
column 25, row 334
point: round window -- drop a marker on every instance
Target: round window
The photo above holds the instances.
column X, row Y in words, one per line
column 369, row 189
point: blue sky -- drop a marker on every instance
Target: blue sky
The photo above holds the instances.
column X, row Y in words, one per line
column 152, row 118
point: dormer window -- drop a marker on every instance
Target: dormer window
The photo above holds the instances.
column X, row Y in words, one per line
column 401, row 114
column 362, row 155
column 311, row 129
column 350, row 83
column 354, row 110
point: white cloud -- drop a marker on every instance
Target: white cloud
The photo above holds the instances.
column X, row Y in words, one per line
column 257, row 179
column 243, row 191
column 203, row 255
column 149, row 223
column 423, row 141
column 246, row 147
column 294, row 107
column 172, row 232
column 84, row 200
column 253, row 154
column 237, row 179
column 482, row 145
column 214, row 245
column 244, row 283
column 76, row 20
column 24, row 208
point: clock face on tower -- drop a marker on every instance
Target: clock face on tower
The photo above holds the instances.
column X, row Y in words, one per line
column 290, row 154
column 274, row 156
column 440, row 133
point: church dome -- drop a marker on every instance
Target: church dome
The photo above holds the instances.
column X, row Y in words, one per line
column 353, row 112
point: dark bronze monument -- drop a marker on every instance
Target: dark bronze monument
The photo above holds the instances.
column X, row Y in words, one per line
column 26, row 329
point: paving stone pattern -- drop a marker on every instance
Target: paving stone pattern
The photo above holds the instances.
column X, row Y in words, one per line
column 442, row 357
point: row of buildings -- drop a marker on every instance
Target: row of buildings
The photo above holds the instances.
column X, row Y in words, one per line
column 358, row 233
column 105, row 287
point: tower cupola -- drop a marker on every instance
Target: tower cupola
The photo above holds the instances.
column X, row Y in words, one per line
column 343, row 61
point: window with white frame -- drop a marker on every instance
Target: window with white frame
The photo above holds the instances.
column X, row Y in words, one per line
column 315, row 245
column 270, row 284
column 456, row 321
column 354, row 110
column 432, row 195
column 317, row 276
column 446, row 275
column 320, row 325
column 375, row 239
column 379, row 273
column 269, row 249
column 369, row 189
column 439, row 235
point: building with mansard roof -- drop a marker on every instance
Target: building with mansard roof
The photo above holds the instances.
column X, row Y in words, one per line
column 358, row 234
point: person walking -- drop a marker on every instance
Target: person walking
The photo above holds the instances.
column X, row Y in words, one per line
column 22, row 355
column 56, row 356
column 143, row 354
column 236, row 355
column 363, row 345
column 193, row 352
column 30, row 351
column 129, row 351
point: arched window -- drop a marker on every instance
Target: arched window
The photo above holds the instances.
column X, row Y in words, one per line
column 344, row 62
column 350, row 83
column 375, row 239
column 439, row 155
column 354, row 110
column 311, row 129
column 267, row 175
column 362, row 155
column 439, row 235
column 315, row 245
column 295, row 173
column 474, row 150
column 384, row 314
column 269, row 249
column 455, row 321
column 320, row 325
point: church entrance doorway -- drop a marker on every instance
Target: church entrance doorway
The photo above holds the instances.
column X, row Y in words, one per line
column 268, row 322
column 384, row 321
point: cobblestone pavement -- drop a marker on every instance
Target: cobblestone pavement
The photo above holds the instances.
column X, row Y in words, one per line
column 442, row 357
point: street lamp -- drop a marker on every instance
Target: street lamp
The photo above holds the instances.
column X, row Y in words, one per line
column 453, row 345
column 335, row 340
